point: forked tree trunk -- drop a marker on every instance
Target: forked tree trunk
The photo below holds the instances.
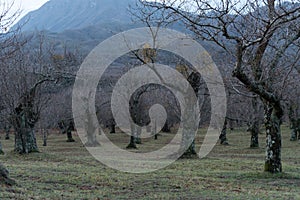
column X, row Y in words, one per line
column 25, row 141
column 23, row 119
column 273, row 121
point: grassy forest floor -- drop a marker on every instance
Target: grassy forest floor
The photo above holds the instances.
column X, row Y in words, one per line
column 67, row 171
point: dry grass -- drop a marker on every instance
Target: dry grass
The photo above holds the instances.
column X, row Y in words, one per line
column 67, row 171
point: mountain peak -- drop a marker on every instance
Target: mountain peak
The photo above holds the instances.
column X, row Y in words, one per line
column 60, row 15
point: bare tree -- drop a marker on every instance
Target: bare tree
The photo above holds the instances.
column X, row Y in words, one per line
column 28, row 80
column 259, row 34
column 292, row 97
column 8, row 45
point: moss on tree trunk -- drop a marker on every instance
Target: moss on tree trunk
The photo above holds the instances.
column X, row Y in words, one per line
column 25, row 141
column 273, row 140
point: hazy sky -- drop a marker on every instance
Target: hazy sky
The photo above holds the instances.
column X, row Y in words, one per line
column 26, row 5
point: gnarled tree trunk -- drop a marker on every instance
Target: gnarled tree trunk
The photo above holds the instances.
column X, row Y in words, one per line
column 24, row 120
column 25, row 141
column 273, row 120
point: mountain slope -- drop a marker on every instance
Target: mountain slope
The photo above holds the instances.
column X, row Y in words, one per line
column 60, row 15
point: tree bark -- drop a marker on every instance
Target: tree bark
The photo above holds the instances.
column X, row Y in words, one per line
column 69, row 136
column 113, row 128
column 188, row 133
column 4, row 176
column 188, row 138
column 223, row 135
column 254, row 128
column 191, row 150
column 273, row 121
column 91, row 131
column 1, row 151
column 294, row 124
column 132, row 142
column 45, row 137
column 7, row 131
column 138, row 135
column 23, row 119
column 70, row 128
column 166, row 128
column 25, row 141
column 154, row 131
